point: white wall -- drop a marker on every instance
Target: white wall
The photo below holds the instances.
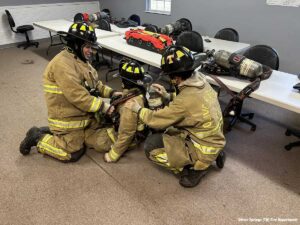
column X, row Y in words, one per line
column 27, row 14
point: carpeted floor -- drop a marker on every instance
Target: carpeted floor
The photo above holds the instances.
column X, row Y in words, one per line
column 260, row 179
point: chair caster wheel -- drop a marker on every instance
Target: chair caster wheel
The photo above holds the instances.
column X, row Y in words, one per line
column 288, row 133
column 253, row 128
column 251, row 116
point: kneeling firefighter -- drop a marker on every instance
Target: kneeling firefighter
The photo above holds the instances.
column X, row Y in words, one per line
column 194, row 138
column 71, row 107
column 129, row 127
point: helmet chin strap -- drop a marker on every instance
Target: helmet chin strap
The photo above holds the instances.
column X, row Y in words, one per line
column 83, row 55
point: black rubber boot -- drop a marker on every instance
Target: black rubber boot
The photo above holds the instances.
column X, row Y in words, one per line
column 190, row 178
column 32, row 137
column 45, row 130
column 77, row 155
column 220, row 161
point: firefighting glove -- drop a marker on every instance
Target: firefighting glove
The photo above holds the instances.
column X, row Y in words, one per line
column 161, row 91
column 104, row 107
column 111, row 156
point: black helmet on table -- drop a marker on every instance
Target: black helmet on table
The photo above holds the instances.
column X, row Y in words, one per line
column 133, row 74
column 78, row 35
column 178, row 60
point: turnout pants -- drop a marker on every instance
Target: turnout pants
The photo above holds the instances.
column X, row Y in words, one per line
column 61, row 145
column 175, row 152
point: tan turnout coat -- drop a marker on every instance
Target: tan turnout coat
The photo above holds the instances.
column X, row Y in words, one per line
column 195, row 113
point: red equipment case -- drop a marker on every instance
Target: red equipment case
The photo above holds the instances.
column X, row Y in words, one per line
column 148, row 40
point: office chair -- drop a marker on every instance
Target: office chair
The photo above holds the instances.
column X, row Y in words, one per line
column 107, row 11
column 23, row 30
column 135, row 18
column 228, row 34
column 78, row 18
column 103, row 24
column 186, row 24
column 267, row 56
column 191, row 40
column 263, row 54
column 296, row 133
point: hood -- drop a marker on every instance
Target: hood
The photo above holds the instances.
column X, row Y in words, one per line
column 196, row 80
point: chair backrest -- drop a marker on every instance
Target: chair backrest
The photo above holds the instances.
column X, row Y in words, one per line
column 10, row 20
column 192, row 40
column 263, row 54
column 186, row 23
column 151, row 28
column 228, row 34
column 107, row 11
column 78, row 18
column 104, row 25
column 135, row 18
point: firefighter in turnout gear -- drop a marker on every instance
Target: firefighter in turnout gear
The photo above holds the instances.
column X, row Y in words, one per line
column 134, row 82
column 71, row 107
column 193, row 123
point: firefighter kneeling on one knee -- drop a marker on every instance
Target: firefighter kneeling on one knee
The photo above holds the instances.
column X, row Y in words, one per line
column 194, row 137
column 68, row 82
column 130, row 129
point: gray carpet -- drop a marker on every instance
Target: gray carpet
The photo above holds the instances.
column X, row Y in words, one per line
column 260, row 179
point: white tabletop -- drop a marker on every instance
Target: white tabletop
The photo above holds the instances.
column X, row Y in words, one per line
column 277, row 90
column 118, row 44
column 121, row 30
column 54, row 25
column 219, row 44
column 64, row 25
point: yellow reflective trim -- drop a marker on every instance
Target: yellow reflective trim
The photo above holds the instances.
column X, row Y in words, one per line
column 46, row 138
column 74, row 26
column 83, row 28
column 95, row 105
column 113, row 155
column 52, row 89
column 162, row 158
column 91, row 28
column 162, row 61
column 136, row 70
column 68, row 124
column 204, row 134
column 207, row 150
column 179, row 54
column 142, row 69
column 140, row 127
column 142, row 113
column 53, row 92
column 107, row 91
column 52, row 149
column 110, row 132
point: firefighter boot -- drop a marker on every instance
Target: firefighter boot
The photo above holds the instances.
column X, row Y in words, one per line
column 220, row 161
column 45, row 130
column 32, row 137
column 190, row 178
